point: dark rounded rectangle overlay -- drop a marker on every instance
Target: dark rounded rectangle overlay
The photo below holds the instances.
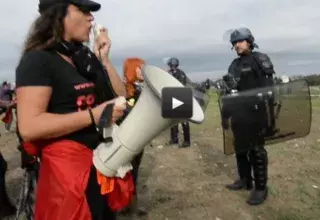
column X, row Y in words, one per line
column 184, row 95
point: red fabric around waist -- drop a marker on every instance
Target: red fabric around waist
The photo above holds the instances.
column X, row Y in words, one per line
column 64, row 172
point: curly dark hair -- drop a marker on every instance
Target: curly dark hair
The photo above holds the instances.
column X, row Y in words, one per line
column 47, row 29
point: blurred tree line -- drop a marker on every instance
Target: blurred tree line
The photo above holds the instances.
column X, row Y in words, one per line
column 313, row 80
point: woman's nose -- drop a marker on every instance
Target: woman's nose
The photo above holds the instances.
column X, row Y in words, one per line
column 91, row 18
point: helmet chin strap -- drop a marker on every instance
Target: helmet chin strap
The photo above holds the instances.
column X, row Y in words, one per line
column 254, row 45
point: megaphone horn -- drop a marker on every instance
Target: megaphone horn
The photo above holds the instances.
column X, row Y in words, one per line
column 142, row 125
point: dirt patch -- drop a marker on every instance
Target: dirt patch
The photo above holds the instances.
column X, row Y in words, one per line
column 189, row 183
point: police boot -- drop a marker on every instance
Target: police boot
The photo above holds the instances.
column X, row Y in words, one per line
column 244, row 172
column 257, row 197
column 172, row 142
column 174, row 130
column 6, row 208
column 240, row 184
column 260, row 170
column 186, row 134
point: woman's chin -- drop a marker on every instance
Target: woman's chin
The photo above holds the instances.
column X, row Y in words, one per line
column 86, row 39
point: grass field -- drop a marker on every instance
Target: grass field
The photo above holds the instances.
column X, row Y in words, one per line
column 188, row 184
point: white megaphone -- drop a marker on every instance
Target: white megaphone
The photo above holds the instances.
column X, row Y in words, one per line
column 142, row 125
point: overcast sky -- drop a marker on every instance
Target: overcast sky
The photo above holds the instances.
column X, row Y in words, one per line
column 192, row 30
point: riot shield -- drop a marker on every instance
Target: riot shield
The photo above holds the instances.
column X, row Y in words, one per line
column 266, row 116
column 202, row 97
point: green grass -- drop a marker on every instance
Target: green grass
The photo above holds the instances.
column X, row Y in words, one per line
column 293, row 200
column 293, row 170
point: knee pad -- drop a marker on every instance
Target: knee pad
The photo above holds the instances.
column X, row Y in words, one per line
column 260, row 152
column 260, row 158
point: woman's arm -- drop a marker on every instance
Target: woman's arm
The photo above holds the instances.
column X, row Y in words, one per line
column 34, row 89
column 115, row 79
column 101, row 49
column 35, row 123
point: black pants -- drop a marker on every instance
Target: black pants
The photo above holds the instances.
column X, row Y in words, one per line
column 4, row 200
column 250, row 153
column 136, row 162
column 97, row 202
column 175, row 130
column 256, row 159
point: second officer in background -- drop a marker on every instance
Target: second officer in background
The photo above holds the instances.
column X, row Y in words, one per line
column 175, row 71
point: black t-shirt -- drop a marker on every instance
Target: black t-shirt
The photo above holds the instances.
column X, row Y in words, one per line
column 71, row 92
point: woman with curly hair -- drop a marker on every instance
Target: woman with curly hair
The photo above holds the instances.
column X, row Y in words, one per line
column 62, row 90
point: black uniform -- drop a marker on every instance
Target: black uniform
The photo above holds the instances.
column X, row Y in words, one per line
column 181, row 76
column 250, row 71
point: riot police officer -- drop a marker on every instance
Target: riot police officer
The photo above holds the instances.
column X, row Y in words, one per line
column 173, row 64
column 250, row 70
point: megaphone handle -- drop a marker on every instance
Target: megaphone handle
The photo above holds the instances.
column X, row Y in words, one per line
column 106, row 117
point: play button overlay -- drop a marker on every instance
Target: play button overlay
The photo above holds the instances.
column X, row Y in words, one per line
column 177, row 102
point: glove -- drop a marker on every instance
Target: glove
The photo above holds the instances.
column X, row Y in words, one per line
column 230, row 81
column 123, row 170
column 226, row 78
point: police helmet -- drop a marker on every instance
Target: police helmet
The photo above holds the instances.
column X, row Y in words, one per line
column 173, row 62
column 241, row 34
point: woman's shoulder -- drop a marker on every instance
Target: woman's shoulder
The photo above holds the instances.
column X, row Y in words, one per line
column 35, row 59
column 36, row 55
column 34, row 69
